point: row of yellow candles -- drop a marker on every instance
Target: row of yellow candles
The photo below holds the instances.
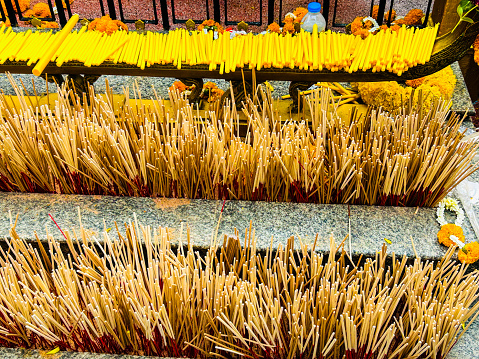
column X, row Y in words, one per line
column 386, row 51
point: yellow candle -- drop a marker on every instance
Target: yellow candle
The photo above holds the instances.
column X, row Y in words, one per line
column 226, row 52
column 40, row 66
column 254, row 52
column 36, row 54
column 259, row 59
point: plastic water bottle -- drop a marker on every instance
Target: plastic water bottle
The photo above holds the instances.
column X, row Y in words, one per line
column 313, row 17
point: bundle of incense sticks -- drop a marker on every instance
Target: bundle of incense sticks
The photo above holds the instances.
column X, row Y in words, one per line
column 135, row 294
column 413, row 158
column 387, row 51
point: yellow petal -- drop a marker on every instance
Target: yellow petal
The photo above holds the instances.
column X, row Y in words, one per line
column 54, row 351
column 108, row 230
column 387, row 241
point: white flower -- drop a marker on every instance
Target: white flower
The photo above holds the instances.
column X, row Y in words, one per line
column 452, row 205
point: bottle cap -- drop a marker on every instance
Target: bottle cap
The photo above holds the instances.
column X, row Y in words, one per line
column 314, row 7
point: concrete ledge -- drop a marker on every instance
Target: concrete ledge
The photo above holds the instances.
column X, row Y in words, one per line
column 369, row 225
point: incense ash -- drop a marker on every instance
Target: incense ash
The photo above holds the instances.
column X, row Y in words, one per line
column 136, row 294
column 93, row 146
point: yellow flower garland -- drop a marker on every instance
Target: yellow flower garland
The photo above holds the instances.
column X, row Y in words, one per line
column 390, row 95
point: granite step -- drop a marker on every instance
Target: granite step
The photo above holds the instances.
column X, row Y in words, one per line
column 273, row 224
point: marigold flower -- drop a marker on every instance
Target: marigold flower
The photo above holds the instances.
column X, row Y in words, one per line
column 29, row 13
column 107, row 25
column 288, row 19
column 288, row 28
column 395, row 28
column 274, row 27
column 368, row 24
column 121, row 25
column 444, row 81
column 400, row 22
column 374, row 14
column 469, row 253
column 299, row 13
column 41, row 10
column 111, row 27
column 49, row 25
column 210, row 25
column 414, row 17
column 363, row 33
column 178, row 85
column 357, row 24
column 447, row 231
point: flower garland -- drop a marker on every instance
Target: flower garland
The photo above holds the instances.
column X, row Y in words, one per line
column 452, row 205
column 107, row 25
column 211, row 25
column 452, row 234
column 364, row 26
column 390, row 95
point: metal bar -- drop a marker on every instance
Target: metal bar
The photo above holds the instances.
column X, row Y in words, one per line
column 334, row 14
column 381, row 8
column 60, row 12
column 270, row 11
column 371, row 10
column 122, row 16
column 428, row 10
column 280, row 18
column 173, row 17
column 111, row 8
column 102, row 8
column 261, row 12
column 11, row 14
column 216, row 10
column 3, row 17
column 226, row 11
column 325, row 8
column 207, row 10
column 155, row 12
column 391, row 12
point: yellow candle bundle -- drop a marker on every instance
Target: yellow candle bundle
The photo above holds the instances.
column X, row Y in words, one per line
column 386, row 51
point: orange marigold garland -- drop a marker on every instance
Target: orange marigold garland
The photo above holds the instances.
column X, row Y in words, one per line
column 299, row 12
column 210, row 25
column 414, row 17
column 179, row 86
column 274, row 27
column 107, row 25
column 288, row 28
column 41, row 10
column 211, row 92
column 452, row 234
column 450, row 230
column 469, row 253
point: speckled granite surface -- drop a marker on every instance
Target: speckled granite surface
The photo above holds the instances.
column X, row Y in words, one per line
column 369, row 225
column 7, row 353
